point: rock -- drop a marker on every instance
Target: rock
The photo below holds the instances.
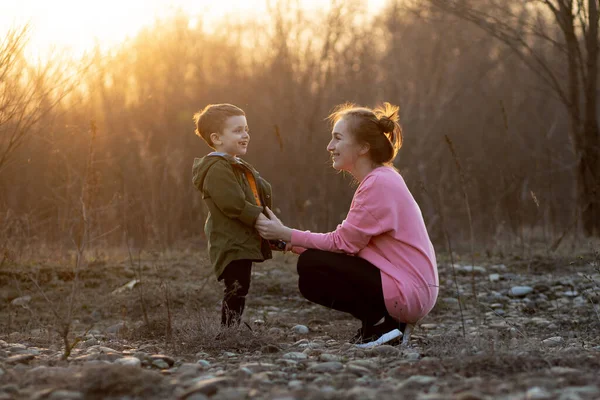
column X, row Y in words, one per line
column 258, row 367
column 330, row 366
column 131, row 361
column 65, row 395
column 20, row 359
column 160, row 364
column 576, row 393
column 90, row 342
column 553, row 341
column 270, row 349
column 21, row 301
column 494, row 277
column 429, row 326
column 384, row 351
column 244, row 372
column 196, row 396
column 416, row 381
column 203, row 363
column 295, row 356
column 167, row 359
column 537, row 393
column 295, row 384
column 116, row 328
column 564, row 370
column 412, row 356
column 126, row 287
column 300, row 329
column 361, row 393
column 468, row 395
column 358, row 370
column 208, row 387
column 450, row 301
column 468, row 269
column 571, row 293
column 520, row 291
column 329, row 357
column 229, row 354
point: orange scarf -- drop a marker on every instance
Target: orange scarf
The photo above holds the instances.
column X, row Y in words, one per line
column 253, row 186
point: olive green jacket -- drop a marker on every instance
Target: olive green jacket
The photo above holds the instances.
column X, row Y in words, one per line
column 232, row 209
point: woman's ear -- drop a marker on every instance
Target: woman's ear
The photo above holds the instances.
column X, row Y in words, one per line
column 215, row 138
column 364, row 148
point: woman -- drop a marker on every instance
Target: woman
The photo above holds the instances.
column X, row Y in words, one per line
column 379, row 264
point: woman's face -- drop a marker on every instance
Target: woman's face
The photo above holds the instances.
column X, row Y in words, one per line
column 344, row 149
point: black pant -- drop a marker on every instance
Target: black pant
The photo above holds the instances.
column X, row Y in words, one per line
column 342, row 282
column 237, row 282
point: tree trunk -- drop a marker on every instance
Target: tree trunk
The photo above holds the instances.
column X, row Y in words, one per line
column 588, row 163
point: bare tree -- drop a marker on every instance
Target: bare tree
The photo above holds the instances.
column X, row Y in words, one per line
column 27, row 92
column 529, row 29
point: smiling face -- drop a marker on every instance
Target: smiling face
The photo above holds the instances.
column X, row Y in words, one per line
column 344, row 149
column 235, row 136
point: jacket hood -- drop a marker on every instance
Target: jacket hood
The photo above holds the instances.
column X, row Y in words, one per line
column 203, row 164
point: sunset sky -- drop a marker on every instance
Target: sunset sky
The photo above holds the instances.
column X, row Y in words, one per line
column 76, row 25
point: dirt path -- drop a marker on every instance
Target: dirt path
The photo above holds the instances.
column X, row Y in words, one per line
column 533, row 333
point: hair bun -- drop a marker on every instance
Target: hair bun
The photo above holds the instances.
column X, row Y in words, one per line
column 386, row 124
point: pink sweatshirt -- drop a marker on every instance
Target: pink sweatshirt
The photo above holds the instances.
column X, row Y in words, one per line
column 385, row 227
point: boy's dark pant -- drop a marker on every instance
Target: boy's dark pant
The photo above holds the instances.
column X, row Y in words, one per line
column 342, row 282
column 237, row 282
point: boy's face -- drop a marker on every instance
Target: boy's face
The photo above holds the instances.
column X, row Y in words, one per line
column 235, row 136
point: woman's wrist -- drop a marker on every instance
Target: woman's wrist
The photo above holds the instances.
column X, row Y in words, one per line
column 287, row 234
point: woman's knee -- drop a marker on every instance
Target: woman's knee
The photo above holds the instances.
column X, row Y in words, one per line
column 307, row 261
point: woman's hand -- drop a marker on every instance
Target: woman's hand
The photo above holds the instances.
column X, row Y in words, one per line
column 271, row 228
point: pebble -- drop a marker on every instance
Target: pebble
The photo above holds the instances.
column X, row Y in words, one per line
column 470, row 269
column 520, row 291
column 300, row 329
column 65, row 395
column 358, row 370
column 295, row 384
column 167, row 359
column 415, row 381
column 329, row 366
column 160, row 364
column 116, row 328
column 365, row 364
column 21, row 301
column 20, row 359
column 553, row 341
column 131, row 361
column 384, row 351
column 494, row 277
column 295, row 356
column 208, row 387
column 203, row 363
column 537, row 393
column 258, row 367
column 329, row 357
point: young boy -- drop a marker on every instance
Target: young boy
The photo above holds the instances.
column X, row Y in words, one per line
column 235, row 195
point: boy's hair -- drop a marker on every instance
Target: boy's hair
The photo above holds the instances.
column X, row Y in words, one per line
column 212, row 119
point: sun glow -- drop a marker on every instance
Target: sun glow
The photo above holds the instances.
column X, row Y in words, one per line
column 77, row 26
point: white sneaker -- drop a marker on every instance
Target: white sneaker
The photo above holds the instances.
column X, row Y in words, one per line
column 385, row 338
